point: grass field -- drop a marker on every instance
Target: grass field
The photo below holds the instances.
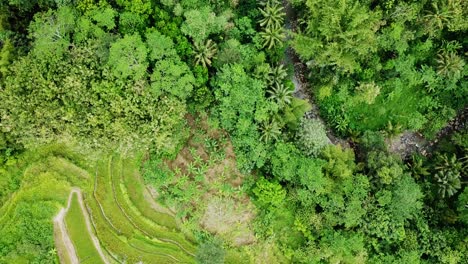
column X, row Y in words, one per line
column 76, row 227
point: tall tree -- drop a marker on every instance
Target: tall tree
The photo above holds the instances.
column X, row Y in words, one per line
column 128, row 57
column 339, row 33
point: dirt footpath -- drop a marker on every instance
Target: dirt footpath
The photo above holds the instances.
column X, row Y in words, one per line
column 62, row 234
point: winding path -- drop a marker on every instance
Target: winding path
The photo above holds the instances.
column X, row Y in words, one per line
column 59, row 223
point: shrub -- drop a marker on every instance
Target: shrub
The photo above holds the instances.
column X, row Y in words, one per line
column 210, row 253
column 311, row 137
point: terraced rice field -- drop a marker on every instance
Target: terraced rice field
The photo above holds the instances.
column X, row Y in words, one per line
column 77, row 230
column 126, row 233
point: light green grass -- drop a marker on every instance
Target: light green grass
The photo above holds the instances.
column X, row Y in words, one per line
column 134, row 188
column 82, row 241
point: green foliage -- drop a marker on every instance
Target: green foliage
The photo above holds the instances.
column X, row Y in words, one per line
column 131, row 23
column 447, row 182
column 172, row 77
column 76, row 227
column 159, row 46
column 276, row 76
column 450, row 65
column 406, row 199
column 272, row 24
column 340, row 162
column 270, row 131
column 385, row 168
column 462, row 206
column 288, row 164
column 51, row 32
column 241, row 108
column 269, row 195
column 210, row 252
column 281, row 95
column 311, row 137
column 26, row 230
column 273, row 15
column 340, row 247
column 294, row 112
column 200, row 23
column 121, row 74
column 378, row 69
column 128, row 57
column 5, row 56
column 447, row 176
column 204, row 52
column 272, row 37
column 338, row 33
column 417, row 168
column 124, row 231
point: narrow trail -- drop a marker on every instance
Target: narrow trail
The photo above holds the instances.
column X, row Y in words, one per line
column 59, row 222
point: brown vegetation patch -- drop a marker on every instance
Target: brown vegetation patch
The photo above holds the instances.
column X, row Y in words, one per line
column 221, row 208
column 229, row 219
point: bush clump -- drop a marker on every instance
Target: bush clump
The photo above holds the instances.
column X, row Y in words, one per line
column 311, row 137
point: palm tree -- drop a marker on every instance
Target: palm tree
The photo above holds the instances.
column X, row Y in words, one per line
column 273, row 16
column 445, row 163
column 448, row 182
column 437, row 19
column 262, row 72
column 449, row 64
column 204, row 52
column 277, row 75
column 270, row 131
column 272, row 36
column 417, row 168
column 393, row 130
column 280, row 94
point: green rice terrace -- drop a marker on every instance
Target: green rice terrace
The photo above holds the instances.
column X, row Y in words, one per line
column 101, row 207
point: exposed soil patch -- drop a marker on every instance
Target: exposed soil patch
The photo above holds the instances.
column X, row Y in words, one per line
column 410, row 142
column 225, row 217
column 210, row 148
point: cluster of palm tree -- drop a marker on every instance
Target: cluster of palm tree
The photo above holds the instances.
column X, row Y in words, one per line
column 277, row 91
column 272, row 24
column 281, row 95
